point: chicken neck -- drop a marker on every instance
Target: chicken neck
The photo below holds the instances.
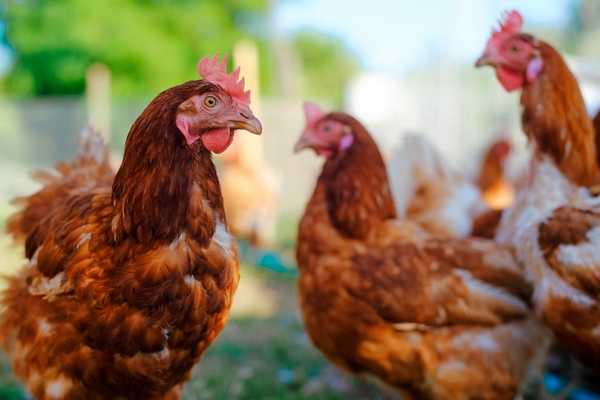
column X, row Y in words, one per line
column 555, row 120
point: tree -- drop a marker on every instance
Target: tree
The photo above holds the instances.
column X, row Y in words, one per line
column 147, row 44
column 584, row 27
column 326, row 65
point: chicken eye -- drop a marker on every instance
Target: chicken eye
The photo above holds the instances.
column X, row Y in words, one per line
column 210, row 101
column 326, row 128
column 515, row 48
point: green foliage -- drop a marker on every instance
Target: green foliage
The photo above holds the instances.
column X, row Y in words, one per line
column 147, row 44
column 151, row 44
column 327, row 65
column 584, row 28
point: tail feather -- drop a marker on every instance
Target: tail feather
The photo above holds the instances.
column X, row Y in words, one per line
column 92, row 146
column 413, row 161
column 89, row 169
column 428, row 191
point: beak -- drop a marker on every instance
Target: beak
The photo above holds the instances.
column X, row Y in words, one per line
column 303, row 143
column 247, row 121
column 484, row 60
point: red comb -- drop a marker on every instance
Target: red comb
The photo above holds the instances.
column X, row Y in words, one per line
column 511, row 23
column 216, row 72
column 312, row 113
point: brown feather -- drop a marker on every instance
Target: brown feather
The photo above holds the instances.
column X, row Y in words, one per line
column 486, row 224
column 557, row 240
column 358, row 196
column 596, row 122
column 126, row 285
column 555, row 118
column 574, row 323
column 382, row 297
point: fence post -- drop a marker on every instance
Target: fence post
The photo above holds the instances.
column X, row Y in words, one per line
column 249, row 147
column 97, row 93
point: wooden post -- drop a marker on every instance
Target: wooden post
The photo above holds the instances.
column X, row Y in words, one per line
column 249, row 148
column 97, row 92
column 249, row 185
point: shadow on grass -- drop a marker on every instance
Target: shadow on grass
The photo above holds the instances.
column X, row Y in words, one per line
column 270, row 359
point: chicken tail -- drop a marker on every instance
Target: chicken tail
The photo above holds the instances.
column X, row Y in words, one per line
column 89, row 169
column 414, row 162
column 92, row 146
column 428, row 191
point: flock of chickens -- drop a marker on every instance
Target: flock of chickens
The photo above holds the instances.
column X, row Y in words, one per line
column 411, row 273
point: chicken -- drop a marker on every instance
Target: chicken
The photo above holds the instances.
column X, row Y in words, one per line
column 596, row 123
column 549, row 90
column 436, row 318
column 555, row 221
column 90, row 167
column 250, row 195
column 496, row 189
column 427, row 191
column 129, row 279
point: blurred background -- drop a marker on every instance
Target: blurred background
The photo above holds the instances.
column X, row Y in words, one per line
column 399, row 66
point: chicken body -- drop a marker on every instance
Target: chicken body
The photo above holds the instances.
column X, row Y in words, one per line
column 250, row 196
column 596, row 122
column 436, row 318
column 130, row 278
column 555, row 221
column 554, row 227
column 496, row 189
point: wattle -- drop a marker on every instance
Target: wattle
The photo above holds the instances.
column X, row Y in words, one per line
column 217, row 140
column 510, row 79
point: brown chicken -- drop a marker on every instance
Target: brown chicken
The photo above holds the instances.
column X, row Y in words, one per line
column 129, row 280
column 596, row 122
column 555, row 221
column 496, row 189
column 250, row 197
column 554, row 116
column 434, row 318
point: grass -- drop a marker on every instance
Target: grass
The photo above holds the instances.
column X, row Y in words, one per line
column 270, row 359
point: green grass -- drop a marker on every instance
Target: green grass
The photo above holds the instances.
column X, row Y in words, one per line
column 11, row 258
column 270, row 359
column 9, row 387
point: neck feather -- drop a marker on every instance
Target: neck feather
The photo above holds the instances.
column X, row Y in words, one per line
column 357, row 190
column 164, row 188
column 555, row 119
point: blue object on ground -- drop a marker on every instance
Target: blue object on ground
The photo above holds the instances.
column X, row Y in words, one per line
column 582, row 394
column 554, row 383
column 267, row 259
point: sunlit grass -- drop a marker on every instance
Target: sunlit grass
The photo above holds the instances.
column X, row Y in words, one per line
column 255, row 297
column 270, row 359
column 11, row 257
